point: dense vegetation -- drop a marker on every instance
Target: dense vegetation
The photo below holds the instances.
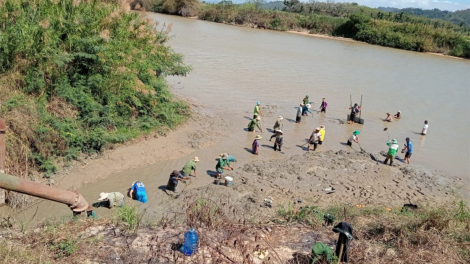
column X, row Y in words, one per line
column 437, row 235
column 361, row 23
column 79, row 75
column 459, row 17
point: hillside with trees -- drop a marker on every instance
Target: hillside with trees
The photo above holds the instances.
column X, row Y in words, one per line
column 349, row 20
column 460, row 17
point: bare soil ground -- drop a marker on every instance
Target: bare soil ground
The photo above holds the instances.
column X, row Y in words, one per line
column 200, row 131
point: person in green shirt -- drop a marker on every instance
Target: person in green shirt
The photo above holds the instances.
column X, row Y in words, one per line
column 257, row 111
column 392, row 151
column 222, row 165
column 306, row 100
column 229, row 159
column 254, row 123
column 190, row 166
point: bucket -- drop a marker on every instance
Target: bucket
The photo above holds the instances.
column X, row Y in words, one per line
column 217, row 181
column 228, row 181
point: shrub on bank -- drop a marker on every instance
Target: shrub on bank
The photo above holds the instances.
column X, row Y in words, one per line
column 79, row 75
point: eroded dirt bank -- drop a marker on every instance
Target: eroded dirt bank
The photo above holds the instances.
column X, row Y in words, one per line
column 233, row 223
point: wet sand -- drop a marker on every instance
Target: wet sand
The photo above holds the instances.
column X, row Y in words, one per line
column 358, row 177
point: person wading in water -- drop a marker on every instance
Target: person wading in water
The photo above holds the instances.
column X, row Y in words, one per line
column 254, row 123
column 323, row 106
column 353, row 138
column 314, row 139
column 257, row 111
column 354, row 110
column 277, row 126
column 255, row 145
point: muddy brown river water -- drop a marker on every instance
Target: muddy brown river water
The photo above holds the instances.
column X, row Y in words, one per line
column 233, row 67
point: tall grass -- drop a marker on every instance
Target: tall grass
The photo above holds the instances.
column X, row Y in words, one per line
column 76, row 76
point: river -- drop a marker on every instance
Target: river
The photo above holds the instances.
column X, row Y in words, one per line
column 233, row 67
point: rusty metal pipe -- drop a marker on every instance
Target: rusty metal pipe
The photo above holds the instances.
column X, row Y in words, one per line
column 74, row 200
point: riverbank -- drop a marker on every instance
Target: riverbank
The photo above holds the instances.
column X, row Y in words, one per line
column 307, row 33
column 228, row 235
column 401, row 31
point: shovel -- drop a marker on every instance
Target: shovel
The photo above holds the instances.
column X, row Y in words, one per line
column 386, row 129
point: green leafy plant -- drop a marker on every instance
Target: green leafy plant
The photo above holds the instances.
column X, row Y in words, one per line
column 128, row 217
column 64, row 248
column 77, row 76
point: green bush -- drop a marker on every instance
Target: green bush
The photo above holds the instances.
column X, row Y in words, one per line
column 88, row 74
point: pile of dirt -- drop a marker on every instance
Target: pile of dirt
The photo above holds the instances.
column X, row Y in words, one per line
column 357, row 177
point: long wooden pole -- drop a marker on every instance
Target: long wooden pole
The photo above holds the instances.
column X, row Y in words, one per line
column 361, row 109
column 341, row 247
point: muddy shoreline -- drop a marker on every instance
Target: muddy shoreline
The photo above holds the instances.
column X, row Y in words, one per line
column 358, row 177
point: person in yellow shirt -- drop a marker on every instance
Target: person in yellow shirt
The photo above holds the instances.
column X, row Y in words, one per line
column 322, row 132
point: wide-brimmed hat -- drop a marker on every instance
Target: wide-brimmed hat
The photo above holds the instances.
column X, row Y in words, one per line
column 317, row 129
column 224, row 156
column 196, row 159
column 258, row 103
column 388, row 113
column 394, row 141
column 103, row 196
column 302, row 104
column 278, row 131
column 322, row 127
column 280, row 118
column 258, row 137
column 306, row 95
column 399, row 111
column 258, row 118
column 356, row 132
column 308, row 105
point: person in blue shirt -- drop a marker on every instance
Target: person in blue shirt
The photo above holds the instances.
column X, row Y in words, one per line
column 409, row 150
column 139, row 192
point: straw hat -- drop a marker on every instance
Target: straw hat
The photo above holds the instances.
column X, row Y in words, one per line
column 258, row 118
column 224, row 156
column 280, row 118
column 301, row 104
column 103, row 196
column 258, row 137
column 399, row 111
column 322, row 127
column 196, row 159
column 317, row 129
column 278, row 131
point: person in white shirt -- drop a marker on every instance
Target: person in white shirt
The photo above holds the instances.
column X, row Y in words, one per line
column 314, row 138
column 425, row 128
column 353, row 138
